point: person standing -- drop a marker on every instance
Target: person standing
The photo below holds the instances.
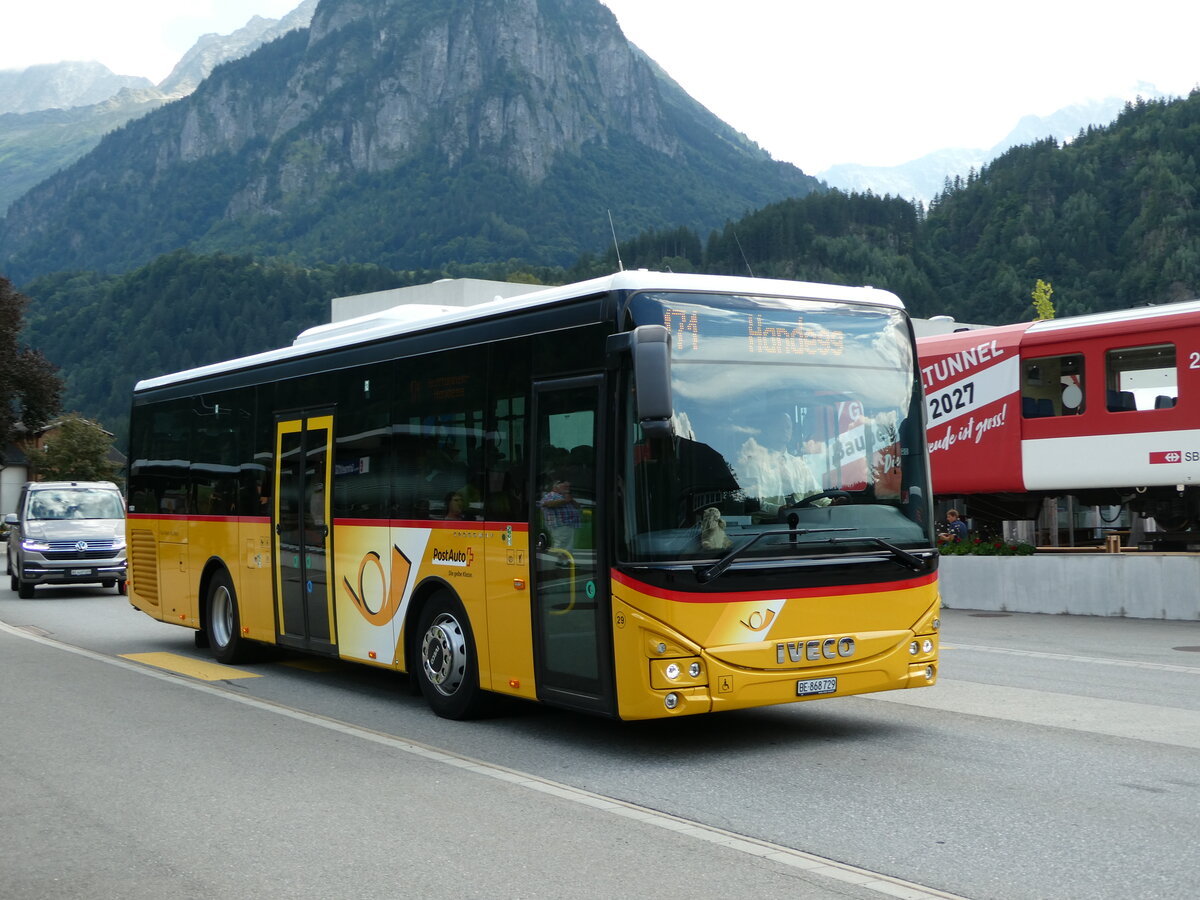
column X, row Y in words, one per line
column 958, row 528
column 562, row 515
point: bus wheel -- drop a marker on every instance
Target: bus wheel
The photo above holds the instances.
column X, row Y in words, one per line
column 223, row 623
column 448, row 671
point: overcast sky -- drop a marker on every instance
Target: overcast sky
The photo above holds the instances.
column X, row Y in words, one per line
column 866, row 81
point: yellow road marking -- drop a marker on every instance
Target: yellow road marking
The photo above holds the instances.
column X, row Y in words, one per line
column 186, row 665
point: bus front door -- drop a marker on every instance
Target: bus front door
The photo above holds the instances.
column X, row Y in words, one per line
column 303, row 590
column 572, row 648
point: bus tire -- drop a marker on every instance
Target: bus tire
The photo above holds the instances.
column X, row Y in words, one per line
column 447, row 667
column 223, row 622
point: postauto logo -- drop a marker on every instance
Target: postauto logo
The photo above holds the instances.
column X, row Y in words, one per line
column 459, row 558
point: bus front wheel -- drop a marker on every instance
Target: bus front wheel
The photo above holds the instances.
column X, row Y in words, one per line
column 447, row 668
column 223, row 622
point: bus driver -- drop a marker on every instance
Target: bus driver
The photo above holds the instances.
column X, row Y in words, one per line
column 771, row 472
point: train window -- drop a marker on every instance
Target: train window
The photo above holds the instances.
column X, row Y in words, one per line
column 1052, row 386
column 1141, row 378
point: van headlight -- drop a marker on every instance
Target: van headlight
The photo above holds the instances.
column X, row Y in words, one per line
column 31, row 544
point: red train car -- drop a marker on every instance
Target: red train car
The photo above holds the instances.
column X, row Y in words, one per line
column 1104, row 407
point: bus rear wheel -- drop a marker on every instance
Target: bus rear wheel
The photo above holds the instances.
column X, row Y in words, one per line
column 223, row 622
column 447, row 668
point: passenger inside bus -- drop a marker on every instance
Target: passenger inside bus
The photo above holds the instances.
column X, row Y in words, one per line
column 771, row 471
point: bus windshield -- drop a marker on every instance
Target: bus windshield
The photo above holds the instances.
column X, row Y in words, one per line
column 797, row 428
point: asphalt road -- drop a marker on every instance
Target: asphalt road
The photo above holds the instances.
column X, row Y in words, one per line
column 1057, row 757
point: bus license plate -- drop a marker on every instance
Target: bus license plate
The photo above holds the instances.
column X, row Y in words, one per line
column 81, row 571
column 811, row 686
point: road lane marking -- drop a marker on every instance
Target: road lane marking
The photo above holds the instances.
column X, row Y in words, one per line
column 1066, row 657
column 809, row 863
column 1115, row 718
column 190, row 666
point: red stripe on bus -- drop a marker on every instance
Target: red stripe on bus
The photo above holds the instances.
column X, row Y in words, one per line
column 164, row 517
column 466, row 525
column 761, row 596
column 456, row 524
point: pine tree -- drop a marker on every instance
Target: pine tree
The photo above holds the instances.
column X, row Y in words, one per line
column 30, row 387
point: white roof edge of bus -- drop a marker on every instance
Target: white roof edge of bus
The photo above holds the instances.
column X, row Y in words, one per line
column 376, row 326
column 409, row 312
column 1120, row 315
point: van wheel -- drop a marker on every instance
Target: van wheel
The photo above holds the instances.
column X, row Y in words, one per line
column 223, row 622
column 122, row 587
column 24, row 589
column 447, row 668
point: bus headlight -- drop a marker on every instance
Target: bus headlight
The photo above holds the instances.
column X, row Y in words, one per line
column 673, row 674
column 671, row 701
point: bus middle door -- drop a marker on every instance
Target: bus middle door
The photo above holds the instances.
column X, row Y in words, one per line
column 303, row 589
column 572, row 644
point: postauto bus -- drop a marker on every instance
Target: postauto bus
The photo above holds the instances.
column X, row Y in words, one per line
column 644, row 495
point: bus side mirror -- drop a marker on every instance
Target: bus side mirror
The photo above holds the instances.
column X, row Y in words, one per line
column 651, row 348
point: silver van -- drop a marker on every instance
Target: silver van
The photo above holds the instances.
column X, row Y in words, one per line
column 67, row 532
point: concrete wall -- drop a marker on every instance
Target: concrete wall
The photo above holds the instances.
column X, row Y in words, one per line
column 447, row 292
column 1140, row 586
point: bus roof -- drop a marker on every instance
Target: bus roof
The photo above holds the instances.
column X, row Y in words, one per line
column 408, row 319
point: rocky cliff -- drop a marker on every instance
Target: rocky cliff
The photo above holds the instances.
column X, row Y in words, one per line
column 487, row 126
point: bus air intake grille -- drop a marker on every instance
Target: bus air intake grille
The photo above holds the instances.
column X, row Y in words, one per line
column 143, row 560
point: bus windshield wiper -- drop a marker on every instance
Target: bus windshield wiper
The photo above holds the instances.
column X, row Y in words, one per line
column 709, row 573
column 914, row 562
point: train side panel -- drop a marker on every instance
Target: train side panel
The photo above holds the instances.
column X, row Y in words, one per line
column 1138, row 420
column 972, row 385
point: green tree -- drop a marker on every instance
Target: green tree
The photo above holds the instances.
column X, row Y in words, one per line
column 1043, row 308
column 30, row 388
column 78, row 451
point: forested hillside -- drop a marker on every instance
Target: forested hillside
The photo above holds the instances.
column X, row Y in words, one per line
column 1110, row 220
column 107, row 332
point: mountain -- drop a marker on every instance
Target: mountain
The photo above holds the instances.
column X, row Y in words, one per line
column 35, row 145
column 61, row 86
column 924, row 178
column 210, row 50
column 1107, row 219
column 52, row 115
column 405, row 133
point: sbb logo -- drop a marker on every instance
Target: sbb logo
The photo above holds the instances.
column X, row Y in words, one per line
column 1166, row 457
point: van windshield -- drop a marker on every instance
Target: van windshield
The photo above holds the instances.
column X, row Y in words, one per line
column 76, row 503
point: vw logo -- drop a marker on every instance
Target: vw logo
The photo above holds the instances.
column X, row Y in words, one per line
column 81, row 546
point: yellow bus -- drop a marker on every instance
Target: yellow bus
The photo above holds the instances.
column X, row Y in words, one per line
column 644, row 495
